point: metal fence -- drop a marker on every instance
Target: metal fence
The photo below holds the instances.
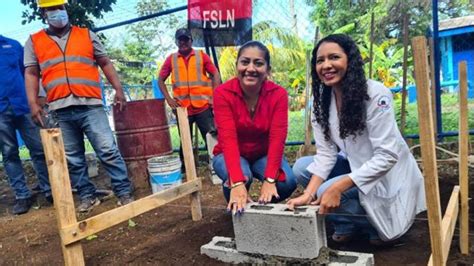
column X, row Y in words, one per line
column 290, row 27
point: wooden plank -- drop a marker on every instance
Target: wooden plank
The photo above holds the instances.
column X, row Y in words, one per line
column 448, row 224
column 80, row 230
column 427, row 141
column 61, row 188
column 463, row 158
column 186, row 144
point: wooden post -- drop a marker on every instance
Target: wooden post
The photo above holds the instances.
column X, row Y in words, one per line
column 186, row 143
column 61, row 188
column 463, row 158
column 428, row 152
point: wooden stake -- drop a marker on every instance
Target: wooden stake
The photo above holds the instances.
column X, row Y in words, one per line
column 80, row 230
column 448, row 224
column 463, row 158
column 428, row 152
column 61, row 188
column 186, row 143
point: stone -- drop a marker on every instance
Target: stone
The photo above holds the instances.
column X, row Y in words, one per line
column 273, row 229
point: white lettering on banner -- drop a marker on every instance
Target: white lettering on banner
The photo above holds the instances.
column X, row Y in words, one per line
column 213, row 19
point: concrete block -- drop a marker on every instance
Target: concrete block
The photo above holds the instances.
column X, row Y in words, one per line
column 223, row 249
column 272, row 229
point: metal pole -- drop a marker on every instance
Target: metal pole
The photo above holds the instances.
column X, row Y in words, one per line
column 437, row 67
column 130, row 21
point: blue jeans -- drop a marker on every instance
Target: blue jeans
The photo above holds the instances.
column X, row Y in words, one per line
column 9, row 122
column 75, row 121
column 350, row 217
column 255, row 170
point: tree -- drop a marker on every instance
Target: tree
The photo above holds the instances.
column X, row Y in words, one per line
column 81, row 13
column 145, row 41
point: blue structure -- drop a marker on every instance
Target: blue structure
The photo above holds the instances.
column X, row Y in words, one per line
column 456, row 38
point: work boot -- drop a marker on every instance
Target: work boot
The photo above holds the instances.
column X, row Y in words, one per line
column 125, row 199
column 88, row 204
column 22, row 206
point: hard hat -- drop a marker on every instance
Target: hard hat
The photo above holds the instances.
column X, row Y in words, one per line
column 48, row 3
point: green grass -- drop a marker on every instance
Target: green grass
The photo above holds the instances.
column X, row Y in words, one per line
column 296, row 129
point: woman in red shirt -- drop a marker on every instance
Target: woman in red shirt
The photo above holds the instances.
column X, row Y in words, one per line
column 251, row 115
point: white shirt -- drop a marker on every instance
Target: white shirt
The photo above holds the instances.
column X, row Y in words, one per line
column 390, row 184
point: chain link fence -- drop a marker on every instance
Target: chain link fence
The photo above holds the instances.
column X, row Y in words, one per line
column 290, row 27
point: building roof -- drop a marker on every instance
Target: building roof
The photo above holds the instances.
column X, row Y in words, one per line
column 456, row 23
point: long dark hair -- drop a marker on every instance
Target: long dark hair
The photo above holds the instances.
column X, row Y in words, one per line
column 352, row 115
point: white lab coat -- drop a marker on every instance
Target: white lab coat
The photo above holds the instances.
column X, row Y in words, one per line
column 391, row 188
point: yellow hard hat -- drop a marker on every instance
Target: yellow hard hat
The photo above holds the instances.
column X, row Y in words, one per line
column 48, row 3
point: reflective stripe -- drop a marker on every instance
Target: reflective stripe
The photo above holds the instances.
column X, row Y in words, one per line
column 175, row 67
column 200, row 97
column 194, row 97
column 183, row 97
column 60, row 81
column 193, row 83
column 198, row 66
column 58, row 60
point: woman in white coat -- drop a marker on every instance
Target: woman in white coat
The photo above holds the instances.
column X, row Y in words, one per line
column 375, row 187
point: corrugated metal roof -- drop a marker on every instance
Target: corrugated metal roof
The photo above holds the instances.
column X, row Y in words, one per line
column 456, row 23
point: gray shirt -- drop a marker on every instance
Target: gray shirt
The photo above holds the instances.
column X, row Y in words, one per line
column 30, row 59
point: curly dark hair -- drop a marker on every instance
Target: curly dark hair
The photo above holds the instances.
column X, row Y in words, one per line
column 354, row 90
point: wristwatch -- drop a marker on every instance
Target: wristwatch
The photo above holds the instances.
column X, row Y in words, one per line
column 270, row 180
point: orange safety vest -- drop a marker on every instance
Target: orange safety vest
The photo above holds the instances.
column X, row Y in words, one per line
column 73, row 71
column 191, row 85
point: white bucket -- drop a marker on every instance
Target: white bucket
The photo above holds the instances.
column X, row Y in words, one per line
column 165, row 172
column 92, row 168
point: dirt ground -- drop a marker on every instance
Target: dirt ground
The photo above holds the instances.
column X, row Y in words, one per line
column 168, row 236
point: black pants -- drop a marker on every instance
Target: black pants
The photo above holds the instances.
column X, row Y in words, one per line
column 205, row 123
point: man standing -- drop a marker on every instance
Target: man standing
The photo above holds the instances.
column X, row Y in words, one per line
column 192, row 88
column 15, row 115
column 66, row 59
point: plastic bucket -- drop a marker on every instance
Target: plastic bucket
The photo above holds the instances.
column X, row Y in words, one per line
column 165, row 172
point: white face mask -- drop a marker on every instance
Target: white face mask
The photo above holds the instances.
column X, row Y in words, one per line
column 57, row 18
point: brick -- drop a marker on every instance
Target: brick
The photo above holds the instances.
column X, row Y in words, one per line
column 272, row 229
column 223, row 249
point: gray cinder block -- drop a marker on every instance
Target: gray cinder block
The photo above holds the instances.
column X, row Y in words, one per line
column 272, row 229
column 223, row 249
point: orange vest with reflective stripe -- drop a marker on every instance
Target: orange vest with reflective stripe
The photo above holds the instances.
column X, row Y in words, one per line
column 73, row 71
column 191, row 85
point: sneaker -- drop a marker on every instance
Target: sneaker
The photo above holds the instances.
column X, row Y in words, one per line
column 125, row 199
column 22, row 206
column 88, row 204
column 49, row 199
column 36, row 187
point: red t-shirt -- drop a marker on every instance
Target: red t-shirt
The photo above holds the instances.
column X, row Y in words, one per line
column 252, row 138
column 208, row 66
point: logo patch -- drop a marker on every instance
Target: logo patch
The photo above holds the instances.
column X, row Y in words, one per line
column 383, row 103
column 5, row 46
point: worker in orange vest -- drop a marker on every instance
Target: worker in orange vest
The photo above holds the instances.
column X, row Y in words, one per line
column 65, row 57
column 193, row 77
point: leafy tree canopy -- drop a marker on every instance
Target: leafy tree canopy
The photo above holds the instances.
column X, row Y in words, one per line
column 80, row 13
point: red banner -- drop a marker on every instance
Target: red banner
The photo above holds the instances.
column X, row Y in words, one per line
column 220, row 22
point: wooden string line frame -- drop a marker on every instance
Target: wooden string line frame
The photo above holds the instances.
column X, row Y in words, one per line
column 71, row 230
column 441, row 228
